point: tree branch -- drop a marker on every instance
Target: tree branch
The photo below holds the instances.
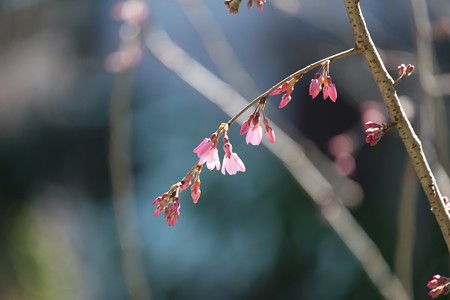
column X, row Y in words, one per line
column 364, row 42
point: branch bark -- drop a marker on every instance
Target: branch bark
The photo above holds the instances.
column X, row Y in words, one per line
column 364, row 43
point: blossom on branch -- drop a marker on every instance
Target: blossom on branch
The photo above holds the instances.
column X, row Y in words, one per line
column 439, row 285
column 252, row 128
column 287, row 88
column 323, row 79
column 169, row 203
column 375, row 132
column 207, row 152
column 231, row 162
column 254, row 131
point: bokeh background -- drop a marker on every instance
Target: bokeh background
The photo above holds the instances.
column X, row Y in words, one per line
column 93, row 128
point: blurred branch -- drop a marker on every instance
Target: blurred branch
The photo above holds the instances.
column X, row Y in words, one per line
column 292, row 156
column 133, row 14
column 406, row 226
column 433, row 119
column 412, row 143
column 122, row 187
column 216, row 45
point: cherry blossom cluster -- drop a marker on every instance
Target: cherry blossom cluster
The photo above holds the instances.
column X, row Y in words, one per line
column 375, row 131
column 252, row 128
column 322, row 79
column 208, row 154
column 207, row 151
column 233, row 5
column 439, row 285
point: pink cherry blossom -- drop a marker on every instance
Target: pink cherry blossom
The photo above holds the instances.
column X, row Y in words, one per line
column 204, row 147
column 254, row 135
column 323, row 79
column 207, row 152
column 212, row 159
column 231, row 161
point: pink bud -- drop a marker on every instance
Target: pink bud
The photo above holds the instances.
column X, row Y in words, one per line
column 270, row 134
column 314, row 88
column 195, row 191
column 281, row 89
column 245, row 126
column 401, row 69
column 285, row 100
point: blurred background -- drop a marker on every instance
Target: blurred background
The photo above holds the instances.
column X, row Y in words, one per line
column 93, row 127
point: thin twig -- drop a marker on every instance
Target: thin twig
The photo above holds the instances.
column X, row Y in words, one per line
column 298, row 73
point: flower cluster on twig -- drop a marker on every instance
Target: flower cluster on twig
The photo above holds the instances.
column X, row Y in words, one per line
column 439, row 285
column 207, row 151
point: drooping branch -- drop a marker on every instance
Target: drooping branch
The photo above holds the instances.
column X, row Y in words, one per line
column 364, row 43
column 290, row 152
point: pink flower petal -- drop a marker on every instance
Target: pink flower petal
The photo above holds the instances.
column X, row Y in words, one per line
column 244, row 128
column 325, row 92
column 212, row 160
column 270, row 134
column 203, row 147
column 281, row 89
column 314, row 88
column 284, row 100
column 254, row 136
column 332, row 92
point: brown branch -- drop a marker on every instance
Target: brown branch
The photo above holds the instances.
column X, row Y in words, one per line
column 364, row 42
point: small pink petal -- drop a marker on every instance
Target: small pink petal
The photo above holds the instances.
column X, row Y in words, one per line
column 157, row 201
column 284, row 100
column 203, row 147
column 240, row 165
column 325, row 92
column 254, row 135
column 270, row 134
column 232, row 165
column 244, row 128
column 212, row 160
column 332, row 92
column 314, row 88
column 281, row 89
